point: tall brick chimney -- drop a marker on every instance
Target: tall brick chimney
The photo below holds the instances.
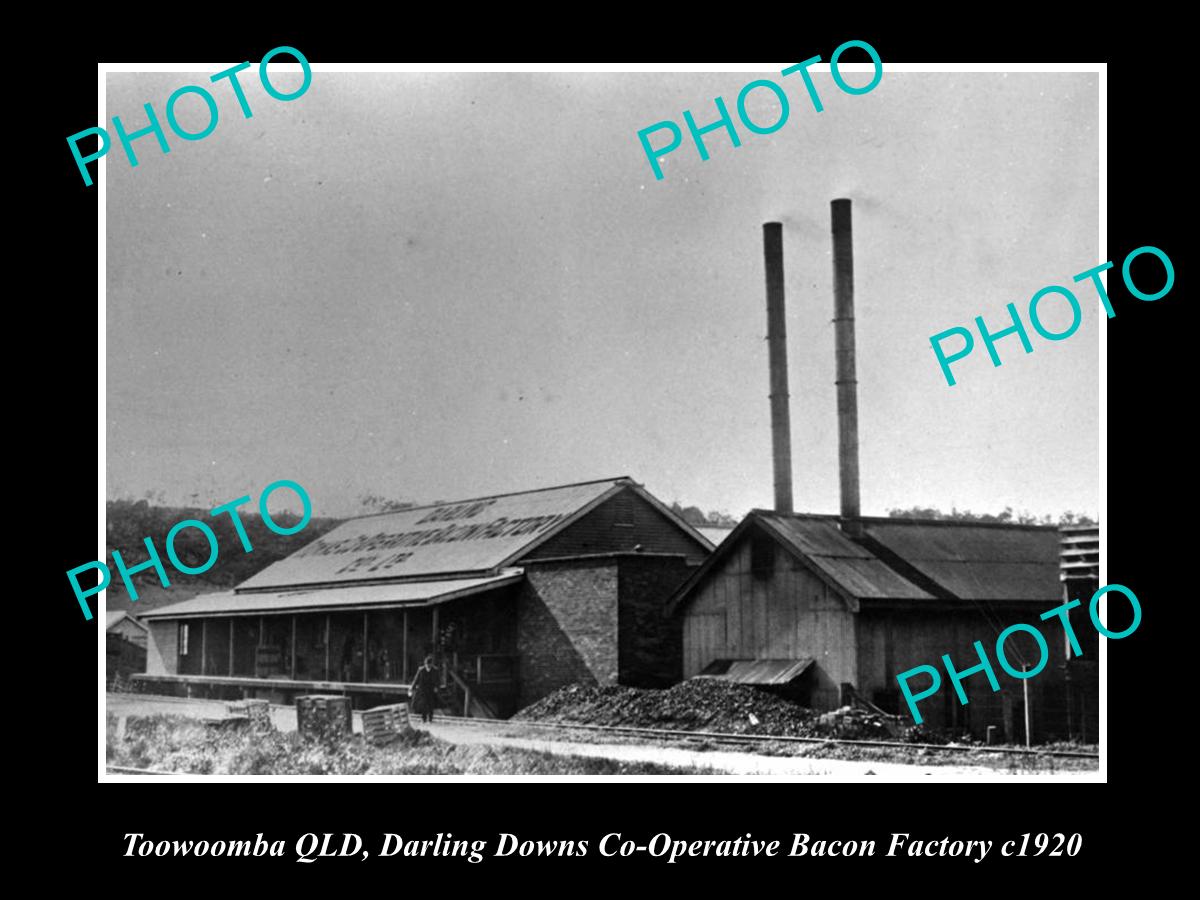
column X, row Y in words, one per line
column 847, row 383
column 781, row 428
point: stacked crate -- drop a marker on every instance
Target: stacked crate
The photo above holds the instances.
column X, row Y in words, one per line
column 324, row 716
column 383, row 724
column 257, row 711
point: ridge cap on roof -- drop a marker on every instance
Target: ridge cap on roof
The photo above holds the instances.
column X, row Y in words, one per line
column 907, row 520
column 973, row 523
column 793, row 515
column 620, row 479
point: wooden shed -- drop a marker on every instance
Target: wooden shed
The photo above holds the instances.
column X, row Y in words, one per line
column 125, row 646
column 869, row 606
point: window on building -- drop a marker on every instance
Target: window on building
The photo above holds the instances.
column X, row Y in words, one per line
column 623, row 510
column 762, row 556
column 183, row 638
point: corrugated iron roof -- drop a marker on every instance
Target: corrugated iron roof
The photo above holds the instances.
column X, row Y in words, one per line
column 475, row 535
column 977, row 562
column 858, row 571
column 909, row 560
column 758, row 671
column 870, row 579
column 816, row 536
column 413, row 593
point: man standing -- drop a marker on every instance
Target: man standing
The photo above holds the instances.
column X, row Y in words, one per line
column 422, row 696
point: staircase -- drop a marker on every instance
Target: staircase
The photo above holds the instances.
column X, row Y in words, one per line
column 468, row 699
column 479, row 686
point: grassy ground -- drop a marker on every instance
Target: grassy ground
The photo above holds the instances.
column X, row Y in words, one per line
column 983, row 757
column 179, row 744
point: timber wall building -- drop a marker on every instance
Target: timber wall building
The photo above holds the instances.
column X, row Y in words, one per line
column 515, row 595
column 844, row 611
column 125, row 645
column 829, row 609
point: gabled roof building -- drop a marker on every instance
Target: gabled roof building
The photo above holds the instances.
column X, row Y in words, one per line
column 831, row 609
column 125, row 646
column 514, row 595
column 841, row 614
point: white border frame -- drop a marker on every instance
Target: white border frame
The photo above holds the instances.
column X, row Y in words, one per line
column 986, row 776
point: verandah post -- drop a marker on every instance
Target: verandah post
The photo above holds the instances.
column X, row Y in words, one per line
column 404, row 665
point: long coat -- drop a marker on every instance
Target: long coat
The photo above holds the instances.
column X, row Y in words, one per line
column 423, row 697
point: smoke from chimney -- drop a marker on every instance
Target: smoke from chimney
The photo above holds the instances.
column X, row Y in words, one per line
column 781, row 428
column 847, row 383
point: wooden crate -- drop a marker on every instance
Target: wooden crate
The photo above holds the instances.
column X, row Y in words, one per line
column 227, row 723
column 383, row 724
column 257, row 711
column 324, row 715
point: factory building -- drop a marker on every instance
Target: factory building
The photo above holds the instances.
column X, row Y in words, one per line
column 600, row 583
column 830, row 609
column 514, row 595
column 844, row 615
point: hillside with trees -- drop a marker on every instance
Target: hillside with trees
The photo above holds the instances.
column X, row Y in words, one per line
column 965, row 515
column 130, row 521
column 696, row 517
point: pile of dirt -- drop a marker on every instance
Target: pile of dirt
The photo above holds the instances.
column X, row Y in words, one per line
column 710, row 704
column 700, row 704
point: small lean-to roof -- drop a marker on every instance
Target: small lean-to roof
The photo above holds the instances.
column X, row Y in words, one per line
column 758, row 671
column 115, row 616
column 465, row 536
column 334, row 599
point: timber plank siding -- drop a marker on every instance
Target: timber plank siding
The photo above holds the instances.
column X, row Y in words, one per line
column 783, row 612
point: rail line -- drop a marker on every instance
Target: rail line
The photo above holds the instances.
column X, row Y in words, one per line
column 758, row 739
column 719, row 737
column 129, row 770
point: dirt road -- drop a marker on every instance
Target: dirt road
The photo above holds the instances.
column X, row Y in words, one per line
column 722, row 762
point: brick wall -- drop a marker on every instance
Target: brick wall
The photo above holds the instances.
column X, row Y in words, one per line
column 651, row 645
column 161, row 648
column 567, row 626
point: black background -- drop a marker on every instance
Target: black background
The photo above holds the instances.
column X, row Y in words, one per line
column 1149, row 486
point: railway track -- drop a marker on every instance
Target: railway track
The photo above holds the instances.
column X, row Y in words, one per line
column 129, row 770
column 709, row 737
column 733, row 739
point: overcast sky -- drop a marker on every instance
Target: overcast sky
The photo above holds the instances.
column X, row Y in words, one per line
column 438, row 286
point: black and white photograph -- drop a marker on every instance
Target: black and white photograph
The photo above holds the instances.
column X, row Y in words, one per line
column 591, row 421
